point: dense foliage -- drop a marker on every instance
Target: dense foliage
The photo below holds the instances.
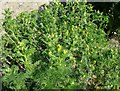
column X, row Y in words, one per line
column 112, row 10
column 60, row 46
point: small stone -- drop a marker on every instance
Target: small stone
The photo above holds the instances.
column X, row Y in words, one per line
column 20, row 4
column 36, row 4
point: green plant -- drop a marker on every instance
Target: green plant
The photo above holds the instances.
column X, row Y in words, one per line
column 64, row 46
column 19, row 46
column 112, row 10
